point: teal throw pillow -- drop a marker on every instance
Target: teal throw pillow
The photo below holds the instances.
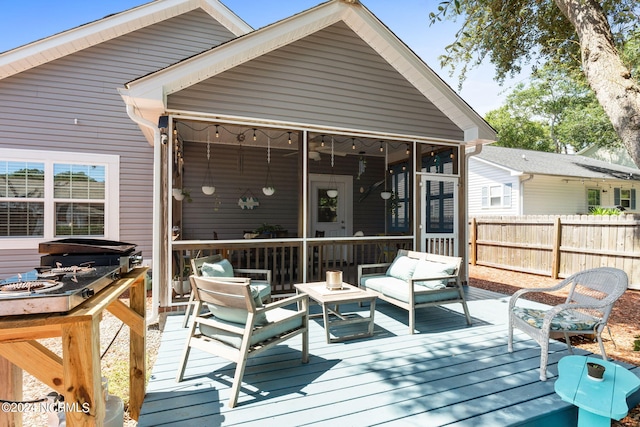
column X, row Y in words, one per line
column 221, row 268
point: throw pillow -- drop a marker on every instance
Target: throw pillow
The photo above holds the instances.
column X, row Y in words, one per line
column 402, row 267
column 221, row 268
column 426, row 269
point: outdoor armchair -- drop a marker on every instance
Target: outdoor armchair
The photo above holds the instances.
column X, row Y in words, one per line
column 237, row 326
column 591, row 295
column 217, row 266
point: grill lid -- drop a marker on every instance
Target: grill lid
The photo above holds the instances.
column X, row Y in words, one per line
column 85, row 246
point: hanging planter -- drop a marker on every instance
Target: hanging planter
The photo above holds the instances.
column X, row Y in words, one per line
column 268, row 188
column 333, row 187
column 207, row 184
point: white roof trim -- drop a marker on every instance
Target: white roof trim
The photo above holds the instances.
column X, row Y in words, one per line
column 149, row 100
column 91, row 34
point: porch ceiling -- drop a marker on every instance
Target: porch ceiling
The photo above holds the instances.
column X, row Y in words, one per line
column 285, row 139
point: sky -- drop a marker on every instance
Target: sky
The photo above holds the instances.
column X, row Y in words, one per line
column 25, row 21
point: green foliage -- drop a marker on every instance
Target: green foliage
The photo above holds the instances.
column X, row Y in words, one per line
column 513, row 33
column 267, row 228
column 636, row 343
column 604, row 211
column 518, row 131
column 554, row 111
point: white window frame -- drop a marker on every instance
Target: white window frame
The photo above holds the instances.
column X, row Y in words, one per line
column 506, row 196
column 49, row 158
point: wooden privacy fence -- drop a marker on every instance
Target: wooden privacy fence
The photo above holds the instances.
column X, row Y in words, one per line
column 557, row 245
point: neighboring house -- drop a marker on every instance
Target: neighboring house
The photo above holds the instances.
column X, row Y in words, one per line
column 510, row 181
column 616, row 156
column 328, row 98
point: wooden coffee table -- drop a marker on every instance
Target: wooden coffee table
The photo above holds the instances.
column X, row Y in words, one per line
column 330, row 300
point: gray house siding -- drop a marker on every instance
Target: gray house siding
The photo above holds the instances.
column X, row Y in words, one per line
column 221, row 213
column 38, row 108
column 330, row 78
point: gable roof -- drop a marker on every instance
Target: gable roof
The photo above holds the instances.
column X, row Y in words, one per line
column 59, row 45
column 148, row 94
column 519, row 161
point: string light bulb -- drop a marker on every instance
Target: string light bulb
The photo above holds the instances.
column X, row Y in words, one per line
column 254, row 134
column 289, row 138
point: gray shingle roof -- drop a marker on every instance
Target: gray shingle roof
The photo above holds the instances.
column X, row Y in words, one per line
column 543, row 163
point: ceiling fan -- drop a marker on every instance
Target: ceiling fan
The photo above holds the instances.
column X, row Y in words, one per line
column 316, row 149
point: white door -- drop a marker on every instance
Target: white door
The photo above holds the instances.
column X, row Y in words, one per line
column 330, row 217
column 439, row 222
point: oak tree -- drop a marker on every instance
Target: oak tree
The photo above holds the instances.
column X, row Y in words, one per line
column 588, row 35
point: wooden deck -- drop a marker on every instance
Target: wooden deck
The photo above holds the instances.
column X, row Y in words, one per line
column 447, row 374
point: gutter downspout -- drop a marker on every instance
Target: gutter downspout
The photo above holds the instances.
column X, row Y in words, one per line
column 521, row 201
column 477, row 150
column 157, row 197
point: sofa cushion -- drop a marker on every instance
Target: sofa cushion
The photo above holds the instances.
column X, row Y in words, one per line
column 239, row 315
column 222, row 268
column 376, row 282
column 426, row 269
column 401, row 293
column 402, row 267
column 399, row 289
column 262, row 334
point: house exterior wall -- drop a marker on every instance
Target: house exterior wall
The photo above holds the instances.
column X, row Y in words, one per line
column 39, row 108
column 243, row 172
column 485, row 175
column 545, row 195
column 331, row 78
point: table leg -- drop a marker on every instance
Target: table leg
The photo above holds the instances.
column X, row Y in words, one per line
column 11, row 390
column 137, row 351
column 325, row 316
column 83, row 387
column 372, row 306
column 589, row 419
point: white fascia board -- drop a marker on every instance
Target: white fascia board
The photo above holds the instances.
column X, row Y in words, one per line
column 511, row 171
column 94, row 33
column 419, row 74
column 236, row 52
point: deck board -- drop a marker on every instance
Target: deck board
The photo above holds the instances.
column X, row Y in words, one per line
column 447, row 374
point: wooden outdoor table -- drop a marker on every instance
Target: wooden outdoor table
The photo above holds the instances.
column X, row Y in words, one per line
column 77, row 375
column 318, row 292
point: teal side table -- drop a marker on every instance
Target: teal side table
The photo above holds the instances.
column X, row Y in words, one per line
column 598, row 401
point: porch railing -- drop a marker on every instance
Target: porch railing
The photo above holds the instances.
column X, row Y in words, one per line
column 285, row 257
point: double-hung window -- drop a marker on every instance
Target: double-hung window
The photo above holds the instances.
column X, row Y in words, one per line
column 46, row 195
column 496, row 196
column 625, row 198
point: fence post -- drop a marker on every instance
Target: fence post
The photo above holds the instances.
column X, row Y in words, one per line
column 555, row 254
column 473, row 236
